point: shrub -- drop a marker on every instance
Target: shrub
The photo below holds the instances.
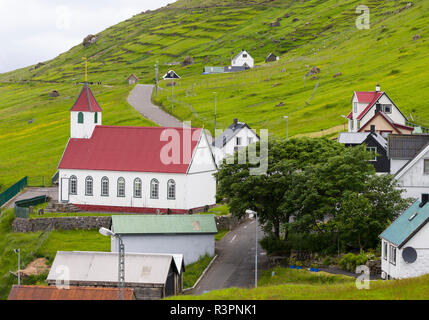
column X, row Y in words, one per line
column 275, row 245
column 326, row 262
column 187, row 61
column 350, row 261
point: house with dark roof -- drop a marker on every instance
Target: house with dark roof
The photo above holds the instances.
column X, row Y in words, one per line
column 132, row 79
column 409, row 158
column 19, row 292
column 405, row 243
column 272, row 57
column 237, row 135
column 366, row 105
column 189, row 236
column 374, row 142
column 134, row 169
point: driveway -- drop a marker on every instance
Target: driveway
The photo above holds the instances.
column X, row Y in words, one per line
column 140, row 99
column 235, row 264
column 32, row 192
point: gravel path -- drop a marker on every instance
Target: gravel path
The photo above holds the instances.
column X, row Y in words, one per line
column 140, row 99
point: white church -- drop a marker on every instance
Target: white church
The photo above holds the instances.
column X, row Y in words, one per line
column 134, row 169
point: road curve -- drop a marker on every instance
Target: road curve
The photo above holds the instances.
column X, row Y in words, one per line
column 235, row 264
column 140, row 99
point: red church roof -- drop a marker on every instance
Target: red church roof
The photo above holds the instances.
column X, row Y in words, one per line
column 86, row 101
column 134, row 149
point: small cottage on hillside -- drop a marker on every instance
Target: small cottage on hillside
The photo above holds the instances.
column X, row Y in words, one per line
column 151, row 276
column 189, row 235
column 134, row 169
column 405, row 243
column 374, row 142
column 237, row 135
column 132, row 79
column 271, row 57
column 376, row 108
column 242, row 59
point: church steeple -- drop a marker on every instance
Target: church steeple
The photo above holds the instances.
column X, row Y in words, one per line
column 85, row 114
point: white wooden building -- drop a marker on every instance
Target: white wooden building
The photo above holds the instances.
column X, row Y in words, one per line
column 243, row 59
column 237, row 135
column 405, row 243
column 134, row 169
column 192, row 236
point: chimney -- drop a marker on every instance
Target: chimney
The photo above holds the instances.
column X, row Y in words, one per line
column 377, row 88
column 425, row 199
column 372, row 129
column 235, row 122
column 377, row 107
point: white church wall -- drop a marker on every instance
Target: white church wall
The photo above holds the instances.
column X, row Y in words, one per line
column 83, row 130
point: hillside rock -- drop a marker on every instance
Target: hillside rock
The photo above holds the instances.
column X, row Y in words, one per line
column 416, row 37
column 54, row 94
column 187, row 61
column 89, row 40
column 275, row 24
column 314, row 70
column 338, row 74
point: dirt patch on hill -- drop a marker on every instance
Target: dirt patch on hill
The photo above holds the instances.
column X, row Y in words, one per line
column 35, row 268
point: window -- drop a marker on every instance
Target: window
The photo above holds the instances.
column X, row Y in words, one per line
column 392, row 255
column 374, row 151
column 80, row 117
column 249, row 140
column 387, row 108
column 96, row 117
column 244, row 55
column 238, row 140
column 385, row 250
column 354, row 107
column 224, row 141
column 358, row 124
column 137, row 188
column 154, row 189
column 121, row 187
column 105, row 187
column 88, row 186
column 171, row 190
column 426, row 166
column 73, row 185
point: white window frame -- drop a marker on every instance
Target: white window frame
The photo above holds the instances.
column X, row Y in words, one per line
column 392, row 255
column 372, row 149
column 171, row 189
column 384, row 250
column 73, row 185
column 138, row 188
column 121, row 187
column 238, row 141
column 249, row 140
column 105, row 187
column 89, row 186
column 385, row 106
column 154, row 189
column 426, row 170
column 354, row 107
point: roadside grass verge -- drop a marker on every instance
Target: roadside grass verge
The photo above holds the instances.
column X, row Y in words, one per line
column 305, row 285
column 194, row 271
column 220, row 234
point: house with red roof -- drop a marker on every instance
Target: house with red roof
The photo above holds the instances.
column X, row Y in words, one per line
column 376, row 108
column 134, row 169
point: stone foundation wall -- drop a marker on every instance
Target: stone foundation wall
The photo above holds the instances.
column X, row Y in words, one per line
column 61, row 223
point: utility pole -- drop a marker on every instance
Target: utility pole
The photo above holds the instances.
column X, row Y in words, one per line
column 121, row 269
column 172, row 95
column 156, row 79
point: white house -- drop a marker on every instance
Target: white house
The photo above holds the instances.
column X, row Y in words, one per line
column 366, row 105
column 405, row 243
column 189, row 235
column 242, row 59
column 410, row 163
column 237, row 135
column 134, row 169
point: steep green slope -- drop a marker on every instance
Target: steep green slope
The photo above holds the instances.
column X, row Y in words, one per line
column 311, row 33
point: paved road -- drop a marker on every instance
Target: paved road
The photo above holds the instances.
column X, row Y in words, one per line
column 32, row 192
column 235, row 264
column 140, row 99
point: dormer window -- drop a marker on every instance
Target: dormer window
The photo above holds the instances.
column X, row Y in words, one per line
column 387, row 108
column 413, row 216
column 244, row 55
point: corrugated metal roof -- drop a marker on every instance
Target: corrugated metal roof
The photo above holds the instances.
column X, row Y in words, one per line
column 155, row 224
column 102, row 267
column 352, row 137
column 134, row 149
column 404, row 227
column 73, row 293
column 406, row 146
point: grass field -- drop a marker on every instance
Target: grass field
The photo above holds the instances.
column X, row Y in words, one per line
column 288, row 284
column 315, row 33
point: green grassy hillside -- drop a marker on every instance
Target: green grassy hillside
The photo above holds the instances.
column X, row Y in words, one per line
column 311, row 33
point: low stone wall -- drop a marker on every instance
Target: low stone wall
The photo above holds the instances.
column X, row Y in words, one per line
column 227, row 222
column 63, row 223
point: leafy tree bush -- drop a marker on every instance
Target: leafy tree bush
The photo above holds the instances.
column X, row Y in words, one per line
column 350, row 261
